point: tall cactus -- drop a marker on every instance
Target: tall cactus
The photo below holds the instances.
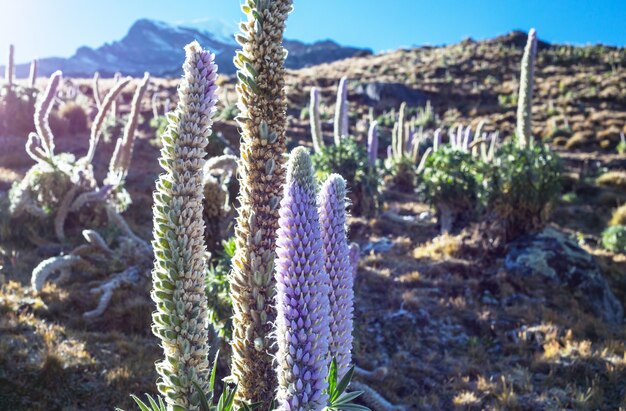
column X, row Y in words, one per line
column 9, row 68
column 120, row 161
column 314, row 118
column 42, row 112
column 332, row 214
column 525, row 96
column 302, row 299
column 401, row 135
column 262, row 105
column 180, row 320
column 32, row 75
column 341, row 111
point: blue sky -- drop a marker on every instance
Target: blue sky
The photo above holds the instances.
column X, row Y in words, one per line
column 42, row 28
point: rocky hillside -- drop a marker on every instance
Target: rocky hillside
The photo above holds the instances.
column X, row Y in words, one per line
column 580, row 92
column 157, row 47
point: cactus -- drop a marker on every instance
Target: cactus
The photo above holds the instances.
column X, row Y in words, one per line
column 262, row 118
column 10, row 68
column 96, row 90
column 103, row 108
column 525, row 99
column 316, row 125
column 48, row 267
column 338, row 266
column 178, row 275
column 32, row 75
column 42, row 112
column 302, row 298
column 372, row 144
column 120, row 161
column 341, row 111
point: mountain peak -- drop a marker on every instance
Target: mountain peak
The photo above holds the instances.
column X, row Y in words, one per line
column 157, row 47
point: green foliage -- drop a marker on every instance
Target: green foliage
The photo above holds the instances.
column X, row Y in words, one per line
column 402, row 172
column 523, row 185
column 425, row 116
column 225, row 402
column 338, row 398
column 614, row 239
column 349, row 159
column 229, row 112
column 452, row 177
column 159, row 125
column 17, row 108
column 507, row 100
column 218, row 291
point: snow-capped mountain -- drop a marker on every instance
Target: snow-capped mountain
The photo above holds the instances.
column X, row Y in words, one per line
column 157, row 47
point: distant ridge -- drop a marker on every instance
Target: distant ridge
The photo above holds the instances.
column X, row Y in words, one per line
column 157, row 47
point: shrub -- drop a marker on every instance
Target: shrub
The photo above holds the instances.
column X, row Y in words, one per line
column 350, row 160
column 76, row 117
column 218, row 292
column 614, row 238
column 523, row 185
column 17, row 108
column 451, row 179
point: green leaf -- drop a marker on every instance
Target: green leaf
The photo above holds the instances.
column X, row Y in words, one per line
column 345, row 381
column 204, row 404
column 142, row 406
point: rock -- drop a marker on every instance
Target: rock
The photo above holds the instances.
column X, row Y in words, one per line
column 561, row 261
column 385, row 95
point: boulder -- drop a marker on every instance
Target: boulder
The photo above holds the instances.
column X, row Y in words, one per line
column 382, row 96
column 560, row 261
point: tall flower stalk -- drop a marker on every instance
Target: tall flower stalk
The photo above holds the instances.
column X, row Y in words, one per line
column 525, row 96
column 372, row 144
column 332, row 214
column 316, row 124
column 302, row 298
column 262, row 105
column 341, row 111
column 9, row 70
column 181, row 317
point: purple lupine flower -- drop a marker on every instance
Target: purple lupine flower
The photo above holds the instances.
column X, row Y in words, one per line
column 332, row 212
column 355, row 256
column 372, row 144
column 389, row 153
column 302, row 293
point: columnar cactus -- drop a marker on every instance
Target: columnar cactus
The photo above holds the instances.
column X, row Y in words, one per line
column 372, row 144
column 314, row 117
column 341, row 111
column 42, row 112
column 525, row 96
column 262, row 105
column 332, row 215
column 95, row 85
column 32, row 75
column 302, row 297
column 98, row 122
column 180, row 320
column 9, row 68
column 120, row 161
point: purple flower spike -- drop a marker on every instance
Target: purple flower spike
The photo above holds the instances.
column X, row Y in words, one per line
column 372, row 144
column 302, row 293
column 332, row 211
column 355, row 256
